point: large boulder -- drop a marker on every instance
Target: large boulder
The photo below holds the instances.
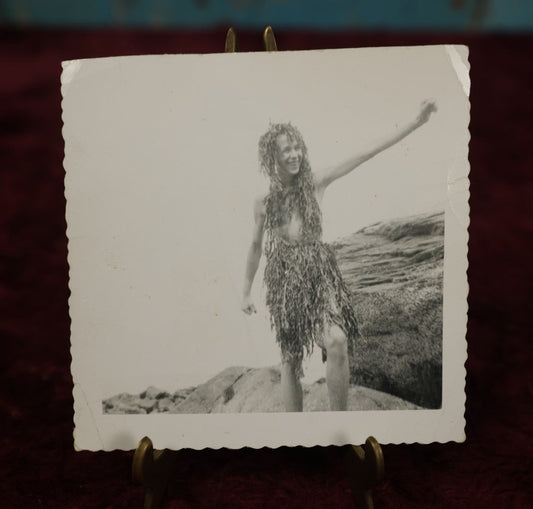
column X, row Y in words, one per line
column 394, row 271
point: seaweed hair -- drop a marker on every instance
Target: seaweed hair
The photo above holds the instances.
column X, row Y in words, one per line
column 282, row 201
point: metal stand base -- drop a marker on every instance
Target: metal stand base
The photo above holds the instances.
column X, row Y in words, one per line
column 364, row 466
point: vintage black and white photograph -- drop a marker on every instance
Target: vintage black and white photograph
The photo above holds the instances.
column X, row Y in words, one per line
column 268, row 249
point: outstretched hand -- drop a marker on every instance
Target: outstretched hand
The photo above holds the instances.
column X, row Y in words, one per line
column 428, row 107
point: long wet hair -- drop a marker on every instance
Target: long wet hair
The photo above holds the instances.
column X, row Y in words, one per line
column 283, row 200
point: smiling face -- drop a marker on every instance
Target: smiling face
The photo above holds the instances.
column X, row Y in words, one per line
column 288, row 156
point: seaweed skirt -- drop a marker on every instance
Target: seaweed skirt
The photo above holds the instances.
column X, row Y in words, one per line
column 305, row 294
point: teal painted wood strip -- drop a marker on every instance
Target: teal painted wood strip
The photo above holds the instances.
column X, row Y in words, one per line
column 456, row 15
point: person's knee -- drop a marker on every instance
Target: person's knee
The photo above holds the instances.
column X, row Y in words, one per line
column 336, row 342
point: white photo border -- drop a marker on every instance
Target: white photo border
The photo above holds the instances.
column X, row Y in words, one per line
column 85, row 114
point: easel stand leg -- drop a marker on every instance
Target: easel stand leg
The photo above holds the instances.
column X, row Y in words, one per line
column 366, row 469
column 152, row 469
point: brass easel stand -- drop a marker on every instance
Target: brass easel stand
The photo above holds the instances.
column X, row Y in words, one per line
column 365, row 465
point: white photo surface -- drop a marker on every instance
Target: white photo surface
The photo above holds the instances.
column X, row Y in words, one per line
column 268, row 249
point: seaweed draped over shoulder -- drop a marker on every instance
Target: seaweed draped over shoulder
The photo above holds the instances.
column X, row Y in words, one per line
column 305, row 292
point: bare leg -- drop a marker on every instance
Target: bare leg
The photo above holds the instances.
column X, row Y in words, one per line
column 291, row 389
column 337, row 370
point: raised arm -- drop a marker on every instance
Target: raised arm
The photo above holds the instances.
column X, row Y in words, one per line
column 254, row 256
column 333, row 173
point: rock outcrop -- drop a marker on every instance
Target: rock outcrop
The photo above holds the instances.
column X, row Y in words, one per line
column 394, row 271
column 239, row 390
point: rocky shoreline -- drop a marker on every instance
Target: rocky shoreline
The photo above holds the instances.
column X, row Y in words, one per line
column 394, row 271
column 240, row 390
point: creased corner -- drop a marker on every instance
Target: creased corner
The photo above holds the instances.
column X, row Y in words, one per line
column 460, row 66
column 70, row 69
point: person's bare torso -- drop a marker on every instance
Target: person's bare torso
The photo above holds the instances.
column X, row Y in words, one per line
column 291, row 231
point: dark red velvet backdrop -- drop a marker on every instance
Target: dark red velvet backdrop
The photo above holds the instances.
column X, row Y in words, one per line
column 39, row 467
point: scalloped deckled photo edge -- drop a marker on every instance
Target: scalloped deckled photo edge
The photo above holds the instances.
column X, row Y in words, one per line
column 268, row 249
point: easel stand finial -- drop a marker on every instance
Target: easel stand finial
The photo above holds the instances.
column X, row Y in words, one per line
column 364, row 465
